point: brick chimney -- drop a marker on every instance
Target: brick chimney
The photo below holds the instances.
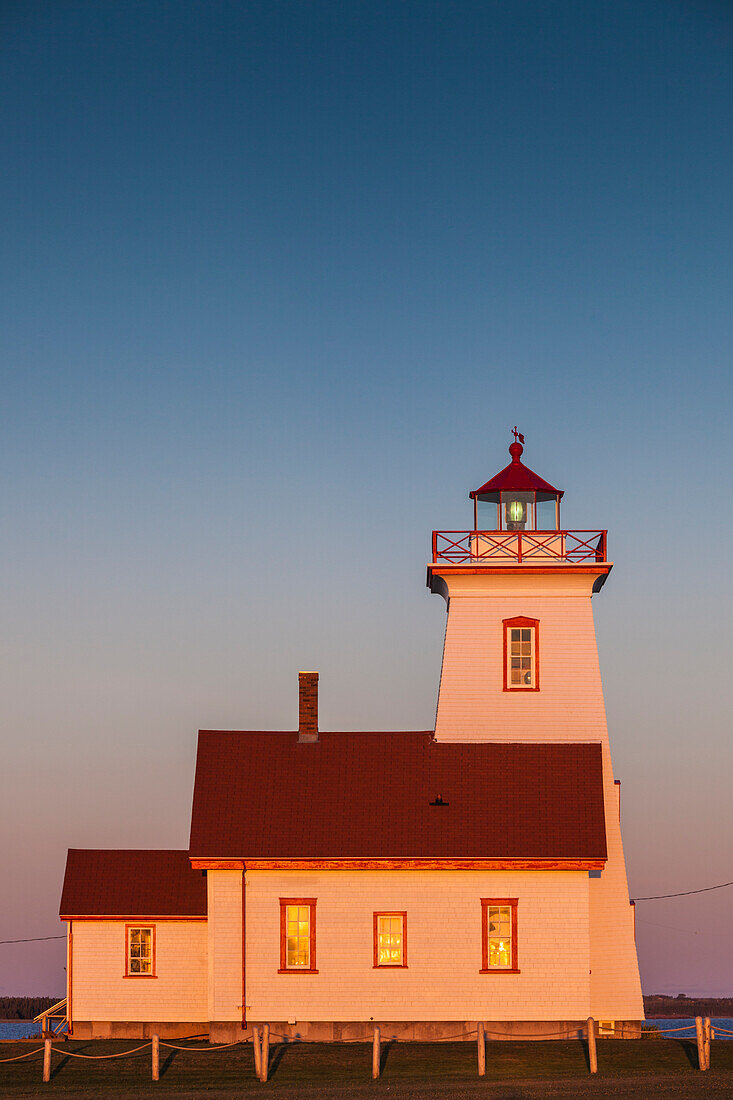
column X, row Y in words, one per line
column 308, row 706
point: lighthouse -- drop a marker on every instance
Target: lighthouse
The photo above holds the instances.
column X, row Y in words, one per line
column 421, row 881
column 520, row 665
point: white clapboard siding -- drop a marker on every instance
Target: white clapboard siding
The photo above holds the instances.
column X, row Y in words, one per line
column 442, row 980
column 100, row 990
column 225, row 944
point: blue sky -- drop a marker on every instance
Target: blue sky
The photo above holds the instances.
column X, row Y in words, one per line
column 278, row 280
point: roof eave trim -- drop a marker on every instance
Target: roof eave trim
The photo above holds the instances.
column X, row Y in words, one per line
column 131, row 916
column 418, row 863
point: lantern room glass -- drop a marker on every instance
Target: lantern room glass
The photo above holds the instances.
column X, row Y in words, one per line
column 517, row 510
column 547, row 512
column 487, row 512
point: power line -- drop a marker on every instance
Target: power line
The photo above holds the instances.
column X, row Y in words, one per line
column 652, row 897
column 684, row 931
column 35, row 939
column 685, row 893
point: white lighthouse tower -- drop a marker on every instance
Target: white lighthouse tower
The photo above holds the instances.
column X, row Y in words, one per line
column 520, row 664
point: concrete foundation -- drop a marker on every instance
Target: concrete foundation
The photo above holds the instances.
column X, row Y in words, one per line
column 424, row 1031
column 120, row 1029
column 323, row 1031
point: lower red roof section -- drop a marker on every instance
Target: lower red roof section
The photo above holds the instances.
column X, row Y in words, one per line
column 366, row 796
column 132, row 884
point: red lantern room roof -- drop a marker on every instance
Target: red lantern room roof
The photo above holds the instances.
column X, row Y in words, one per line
column 516, row 476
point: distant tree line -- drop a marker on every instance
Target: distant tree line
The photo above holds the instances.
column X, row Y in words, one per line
column 24, row 1008
column 659, row 1005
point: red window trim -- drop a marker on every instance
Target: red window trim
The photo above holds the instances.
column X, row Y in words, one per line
column 522, row 620
column 485, row 968
column 154, row 959
column 390, row 966
column 284, row 968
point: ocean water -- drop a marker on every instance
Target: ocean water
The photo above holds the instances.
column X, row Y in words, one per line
column 667, row 1022
column 18, row 1029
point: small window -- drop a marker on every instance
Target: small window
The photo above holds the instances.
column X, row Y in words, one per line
column 390, row 939
column 298, row 935
column 521, row 654
column 499, row 935
column 607, row 1027
column 140, row 952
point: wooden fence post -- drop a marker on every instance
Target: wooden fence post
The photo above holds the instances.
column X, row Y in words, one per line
column 46, row 1060
column 708, row 1034
column 155, row 1052
column 376, row 1054
column 700, row 1043
column 481, row 1040
column 265, row 1052
column 592, row 1052
column 257, row 1051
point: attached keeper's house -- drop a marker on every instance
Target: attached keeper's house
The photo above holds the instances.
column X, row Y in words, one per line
column 423, row 881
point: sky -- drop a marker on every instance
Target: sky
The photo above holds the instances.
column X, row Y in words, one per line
column 278, row 278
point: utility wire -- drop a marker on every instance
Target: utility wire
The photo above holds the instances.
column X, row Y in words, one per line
column 685, row 893
column 35, row 939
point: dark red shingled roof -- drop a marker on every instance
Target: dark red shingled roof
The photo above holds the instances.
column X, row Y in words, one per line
column 134, row 883
column 516, row 476
column 367, row 795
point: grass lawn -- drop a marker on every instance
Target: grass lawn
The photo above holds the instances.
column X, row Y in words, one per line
column 627, row 1068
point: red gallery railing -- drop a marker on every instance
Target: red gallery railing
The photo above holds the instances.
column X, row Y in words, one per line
column 518, row 546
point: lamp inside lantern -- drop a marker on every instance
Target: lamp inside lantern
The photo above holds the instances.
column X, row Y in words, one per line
column 518, row 509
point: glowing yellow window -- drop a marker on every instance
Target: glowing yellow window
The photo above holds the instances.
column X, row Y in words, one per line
column 499, row 934
column 298, row 934
column 140, row 951
column 390, row 939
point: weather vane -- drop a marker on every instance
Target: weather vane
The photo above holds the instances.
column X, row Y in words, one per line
column 517, row 434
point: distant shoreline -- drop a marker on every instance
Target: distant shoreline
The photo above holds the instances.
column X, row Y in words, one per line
column 679, row 1008
column 24, row 1008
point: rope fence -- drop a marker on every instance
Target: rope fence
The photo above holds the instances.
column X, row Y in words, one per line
column 20, row 1057
column 99, row 1057
column 261, row 1035
column 206, row 1050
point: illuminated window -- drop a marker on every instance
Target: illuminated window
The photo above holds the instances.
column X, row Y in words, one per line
column 390, row 939
column 521, row 654
column 499, row 935
column 298, row 935
column 140, row 953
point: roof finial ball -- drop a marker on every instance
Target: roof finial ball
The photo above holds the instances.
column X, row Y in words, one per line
column 516, row 448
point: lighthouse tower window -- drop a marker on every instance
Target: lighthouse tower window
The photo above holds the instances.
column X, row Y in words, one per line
column 521, row 654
